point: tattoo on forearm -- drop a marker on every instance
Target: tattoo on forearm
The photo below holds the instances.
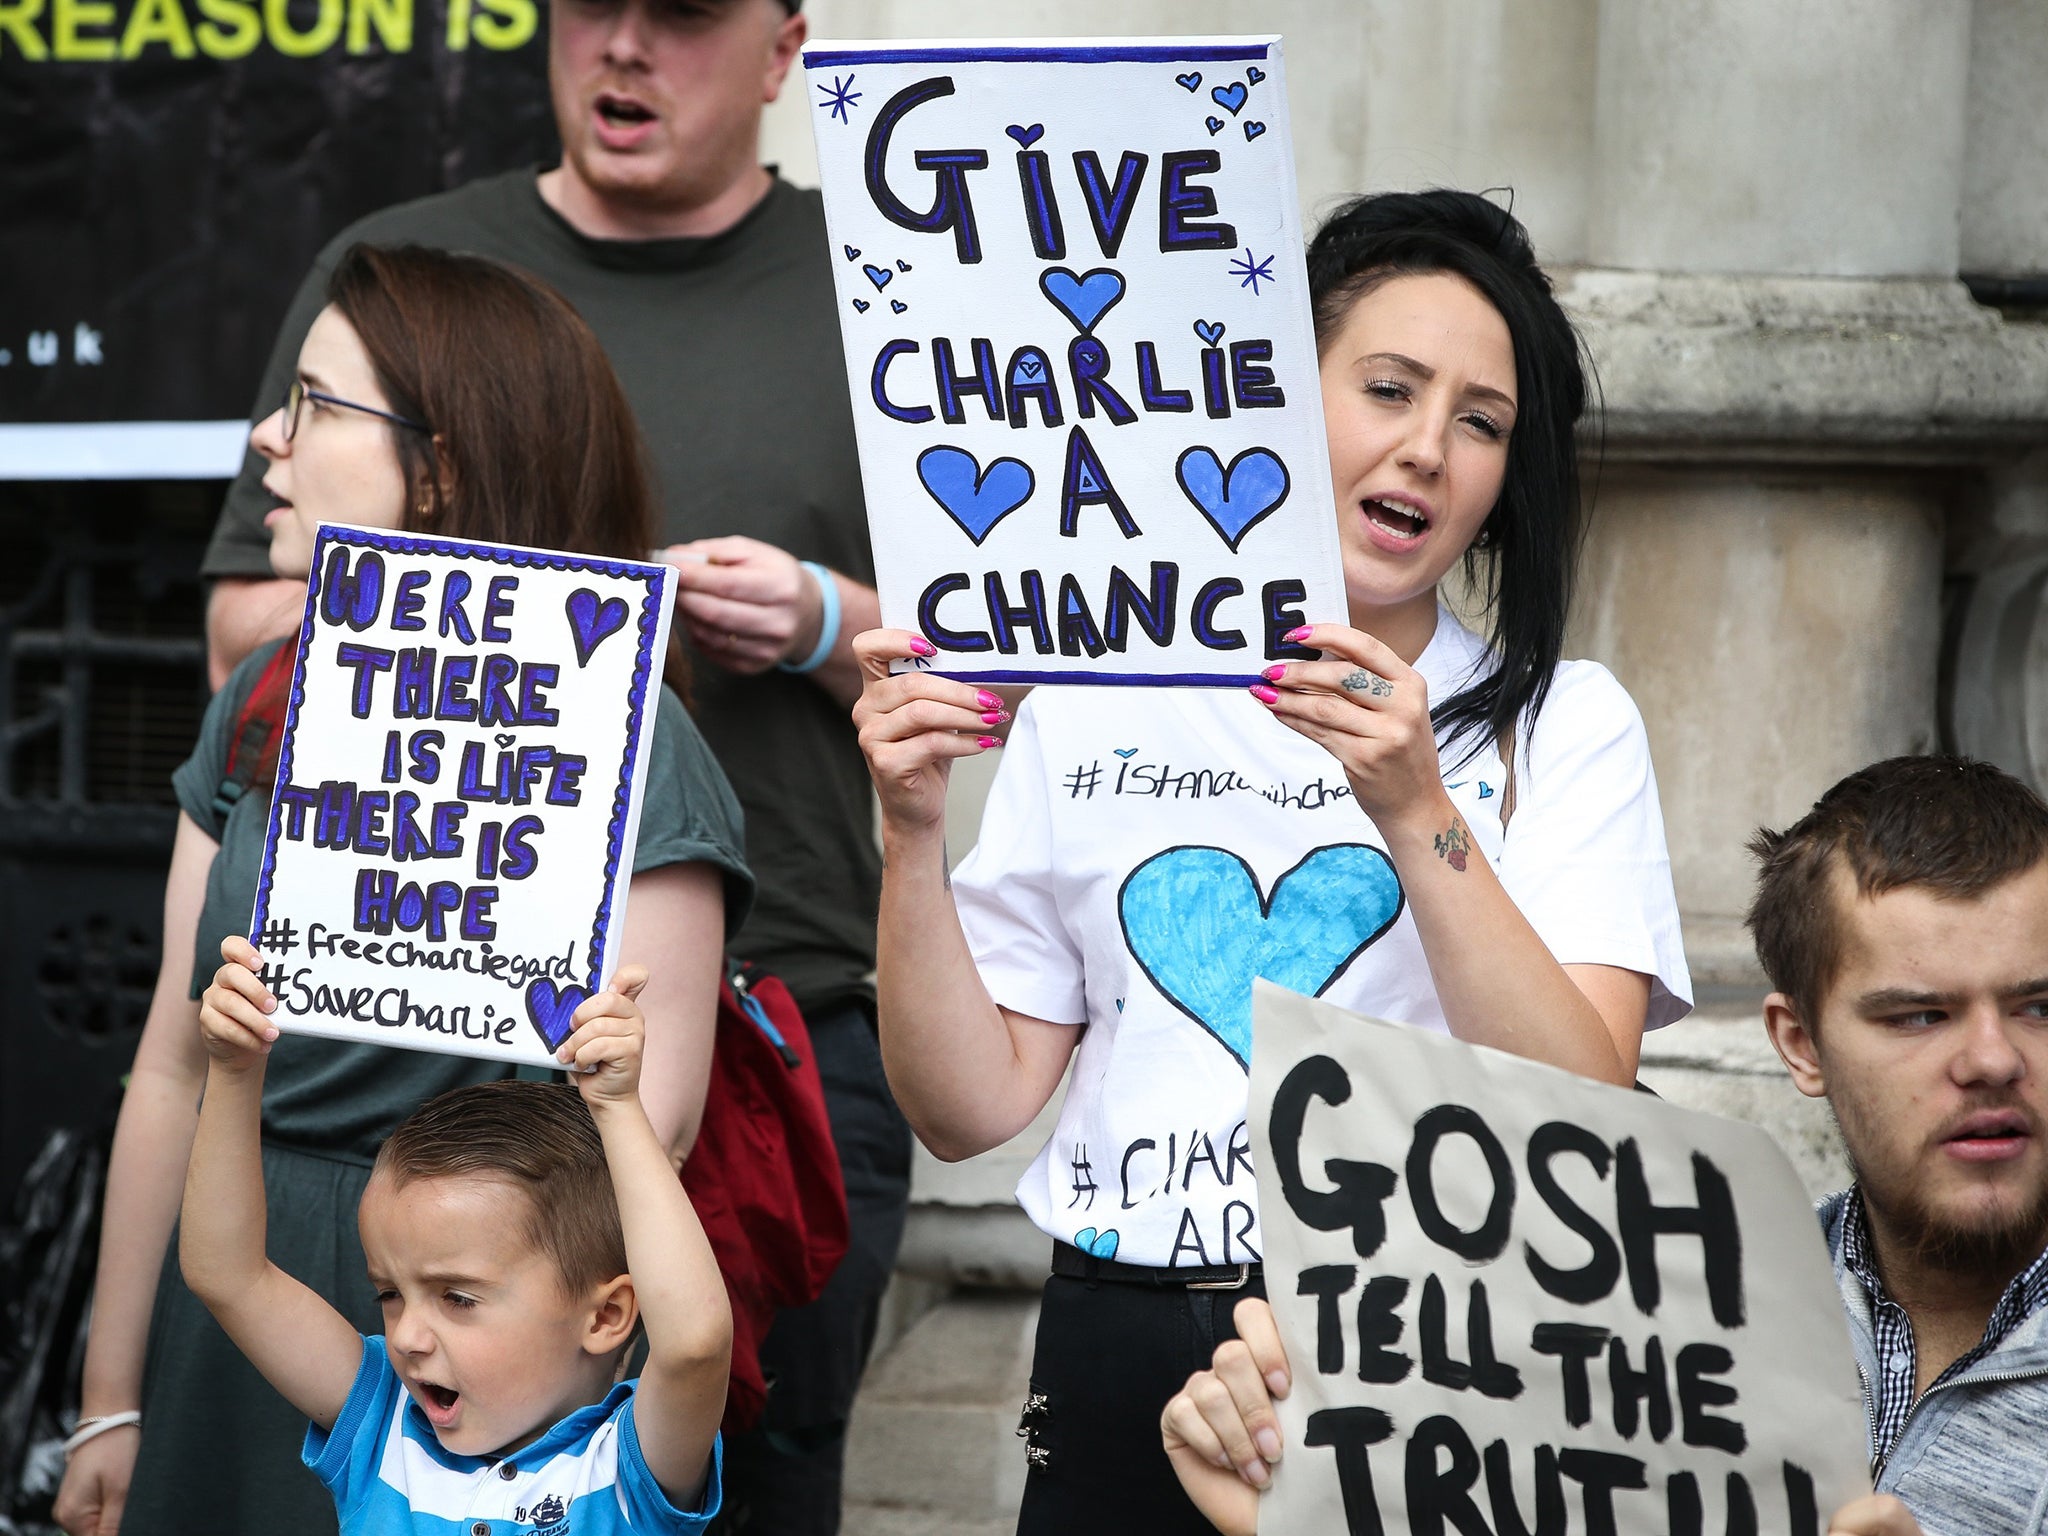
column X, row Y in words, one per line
column 1361, row 681
column 1453, row 844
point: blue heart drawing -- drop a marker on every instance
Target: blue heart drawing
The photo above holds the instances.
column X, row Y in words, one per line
column 1229, row 97
column 1211, row 331
column 1197, row 923
column 1214, row 124
column 879, row 276
column 1236, row 499
column 1026, row 137
column 1126, row 753
column 902, row 265
column 590, row 621
column 852, row 252
column 975, row 498
column 862, row 305
column 1190, row 81
column 1254, row 75
column 1485, row 790
column 1083, row 300
column 897, row 306
column 552, row 1010
column 1252, row 131
column 1101, row 1245
column 1030, row 367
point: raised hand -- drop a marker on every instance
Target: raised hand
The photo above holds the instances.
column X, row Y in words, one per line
column 609, row 1040
column 1220, row 1430
column 234, row 1012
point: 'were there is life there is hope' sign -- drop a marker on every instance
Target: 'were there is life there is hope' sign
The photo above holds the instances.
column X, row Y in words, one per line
column 1078, row 343
column 458, row 791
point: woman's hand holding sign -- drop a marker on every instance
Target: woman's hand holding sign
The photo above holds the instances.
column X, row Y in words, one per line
column 1370, row 710
column 912, row 725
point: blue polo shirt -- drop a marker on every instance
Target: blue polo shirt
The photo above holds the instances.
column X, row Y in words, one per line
column 388, row 1471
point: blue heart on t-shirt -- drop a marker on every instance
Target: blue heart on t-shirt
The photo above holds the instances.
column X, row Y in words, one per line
column 1200, row 928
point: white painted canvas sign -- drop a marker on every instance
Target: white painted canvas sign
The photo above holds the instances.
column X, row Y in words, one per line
column 1084, row 383
column 1515, row 1300
column 458, row 791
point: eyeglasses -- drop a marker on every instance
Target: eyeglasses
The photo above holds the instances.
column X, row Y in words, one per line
column 297, row 395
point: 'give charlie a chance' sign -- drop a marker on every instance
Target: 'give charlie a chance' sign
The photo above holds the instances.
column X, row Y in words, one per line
column 1077, row 332
column 1517, row 1301
column 458, row 791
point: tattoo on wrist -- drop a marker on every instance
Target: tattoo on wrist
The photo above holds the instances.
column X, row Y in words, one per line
column 1453, row 844
column 1358, row 680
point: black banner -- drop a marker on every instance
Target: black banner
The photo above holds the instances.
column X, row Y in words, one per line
column 169, row 168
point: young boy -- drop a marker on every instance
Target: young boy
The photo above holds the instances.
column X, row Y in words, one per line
column 515, row 1237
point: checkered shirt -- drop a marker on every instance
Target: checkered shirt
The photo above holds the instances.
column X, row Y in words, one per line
column 1891, row 1395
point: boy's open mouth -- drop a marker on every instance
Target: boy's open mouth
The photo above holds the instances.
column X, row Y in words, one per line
column 439, row 1403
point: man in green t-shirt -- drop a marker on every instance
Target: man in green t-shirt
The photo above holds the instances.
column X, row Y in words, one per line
column 707, row 278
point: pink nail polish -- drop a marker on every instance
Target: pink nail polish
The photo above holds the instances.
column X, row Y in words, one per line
column 1264, row 694
column 988, row 700
column 995, row 717
column 1300, row 632
column 1274, row 673
column 985, row 742
column 919, row 646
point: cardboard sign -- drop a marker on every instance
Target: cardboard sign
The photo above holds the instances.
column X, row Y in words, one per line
column 458, row 792
column 1084, row 379
column 1515, row 1300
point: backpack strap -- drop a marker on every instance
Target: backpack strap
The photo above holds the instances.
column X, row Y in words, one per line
column 258, row 735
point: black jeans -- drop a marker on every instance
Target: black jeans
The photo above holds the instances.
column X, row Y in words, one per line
column 784, row 1476
column 1109, row 1355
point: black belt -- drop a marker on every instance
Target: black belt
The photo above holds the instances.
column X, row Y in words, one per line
column 1075, row 1265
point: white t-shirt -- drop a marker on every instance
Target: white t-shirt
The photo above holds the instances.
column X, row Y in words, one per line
column 1144, row 855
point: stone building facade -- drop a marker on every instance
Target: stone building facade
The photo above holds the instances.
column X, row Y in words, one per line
column 1808, row 248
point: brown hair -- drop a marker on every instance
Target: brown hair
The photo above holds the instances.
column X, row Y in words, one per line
column 1952, row 825
column 529, row 439
column 538, row 1138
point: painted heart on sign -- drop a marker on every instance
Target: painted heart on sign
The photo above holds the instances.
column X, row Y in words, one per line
column 1236, row 499
column 879, row 276
column 1083, row 300
column 1214, row 125
column 1254, row 75
column 852, row 252
column 552, row 1010
column 1252, row 131
column 975, row 498
column 590, row 620
column 504, row 738
column 1211, row 331
column 1229, row 97
column 902, row 265
column 897, row 306
column 1190, row 81
column 1101, row 1245
column 862, row 305
column 1125, row 752
column 1026, row 137
column 1198, row 925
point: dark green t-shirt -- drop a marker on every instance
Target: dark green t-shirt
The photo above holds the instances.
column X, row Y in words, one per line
column 342, row 1100
column 728, row 348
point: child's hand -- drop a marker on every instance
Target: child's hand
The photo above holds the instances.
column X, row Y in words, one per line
column 234, row 1012
column 605, row 1050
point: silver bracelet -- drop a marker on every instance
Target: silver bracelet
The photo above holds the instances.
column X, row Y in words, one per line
column 99, row 1424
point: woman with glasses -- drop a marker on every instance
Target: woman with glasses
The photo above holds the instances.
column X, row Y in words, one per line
column 438, row 394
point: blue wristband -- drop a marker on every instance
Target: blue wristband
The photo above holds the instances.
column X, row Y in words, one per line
column 828, row 620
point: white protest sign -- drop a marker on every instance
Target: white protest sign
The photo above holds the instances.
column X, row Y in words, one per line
column 458, row 791
column 1078, row 343
column 1515, row 1300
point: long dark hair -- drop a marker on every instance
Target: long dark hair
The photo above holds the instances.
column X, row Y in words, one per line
column 1524, row 559
column 530, row 439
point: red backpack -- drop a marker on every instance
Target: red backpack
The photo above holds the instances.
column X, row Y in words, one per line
column 764, row 1175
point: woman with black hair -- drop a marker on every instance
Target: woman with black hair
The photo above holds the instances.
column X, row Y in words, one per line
column 1458, row 833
